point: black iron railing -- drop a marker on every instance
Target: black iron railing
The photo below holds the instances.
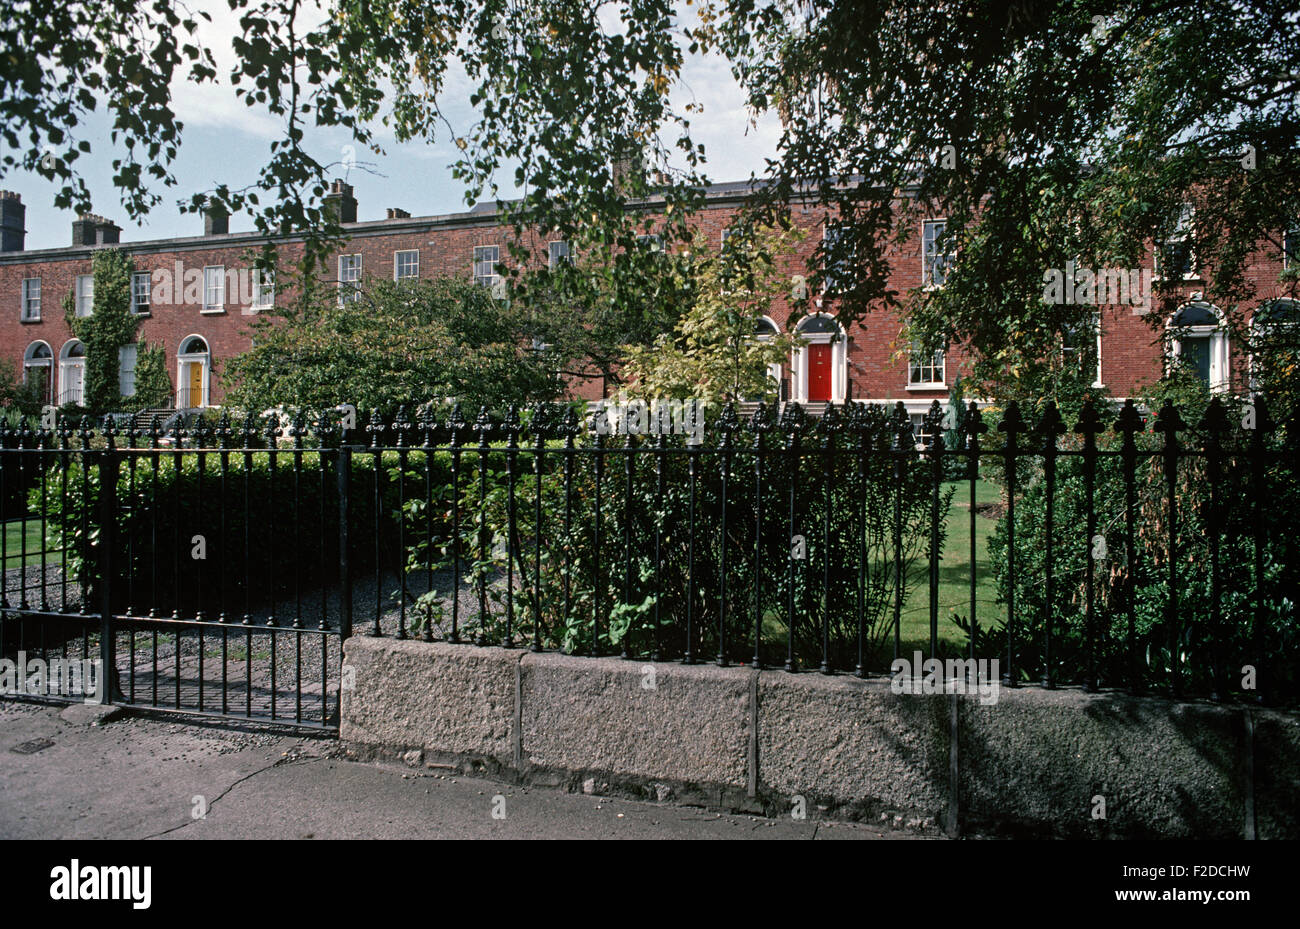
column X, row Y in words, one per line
column 216, row 568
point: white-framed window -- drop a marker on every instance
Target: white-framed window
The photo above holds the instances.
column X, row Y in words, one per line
column 485, row 264
column 1081, row 347
column 1175, row 256
column 836, row 261
column 214, row 289
column 85, row 294
column 349, row 278
column 936, row 259
column 406, row 264
column 652, row 241
column 31, row 307
column 1198, row 343
column 263, row 290
column 558, row 254
column 921, row 430
column 126, row 355
column 1291, row 248
column 925, row 368
column 141, row 293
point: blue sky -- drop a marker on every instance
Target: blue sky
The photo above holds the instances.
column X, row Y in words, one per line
column 226, row 142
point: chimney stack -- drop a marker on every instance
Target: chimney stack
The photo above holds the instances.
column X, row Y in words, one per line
column 216, row 221
column 395, row 213
column 13, row 217
column 93, row 229
column 109, row 232
column 83, row 230
column 341, row 202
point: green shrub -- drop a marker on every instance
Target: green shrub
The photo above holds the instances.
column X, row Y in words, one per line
column 267, row 529
column 1210, row 658
column 616, row 577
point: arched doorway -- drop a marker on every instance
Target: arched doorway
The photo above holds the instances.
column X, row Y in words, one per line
column 72, row 373
column 38, row 370
column 1198, row 342
column 193, row 373
column 819, row 367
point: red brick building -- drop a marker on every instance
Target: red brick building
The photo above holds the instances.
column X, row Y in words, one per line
column 203, row 316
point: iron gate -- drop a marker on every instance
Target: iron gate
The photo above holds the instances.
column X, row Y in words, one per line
column 165, row 570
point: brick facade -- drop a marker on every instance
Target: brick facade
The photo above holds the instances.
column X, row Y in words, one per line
column 873, row 368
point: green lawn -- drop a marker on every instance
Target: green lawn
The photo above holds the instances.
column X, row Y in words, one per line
column 954, row 583
column 954, row 574
column 14, row 531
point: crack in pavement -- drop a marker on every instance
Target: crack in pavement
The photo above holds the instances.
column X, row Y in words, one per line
column 246, row 777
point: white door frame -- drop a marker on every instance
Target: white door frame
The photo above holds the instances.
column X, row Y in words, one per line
column 66, row 366
column 204, row 360
column 839, row 360
column 1218, row 338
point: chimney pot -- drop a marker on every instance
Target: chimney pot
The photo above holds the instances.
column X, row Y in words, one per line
column 395, row 213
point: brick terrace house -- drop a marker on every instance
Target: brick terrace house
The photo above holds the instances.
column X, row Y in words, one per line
column 200, row 328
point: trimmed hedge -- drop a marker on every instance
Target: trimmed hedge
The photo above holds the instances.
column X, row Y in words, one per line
column 184, row 542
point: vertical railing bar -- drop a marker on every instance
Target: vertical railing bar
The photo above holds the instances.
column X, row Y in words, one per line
column 44, row 472
column 692, row 459
column 1128, row 424
column 427, row 425
column 791, row 424
column 934, row 441
column 1012, row 425
column 727, row 426
column 829, row 424
column 107, row 540
column 569, row 427
column 483, row 426
column 456, row 427
column 200, row 461
column 759, row 425
column 376, row 430
column 223, row 579
column 629, row 451
column 540, row 423
column 1258, row 481
column 597, row 581
column 1169, row 423
column 511, row 427
column 400, row 427
column 1088, row 426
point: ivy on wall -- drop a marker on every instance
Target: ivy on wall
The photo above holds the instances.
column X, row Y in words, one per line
column 110, row 326
column 153, row 385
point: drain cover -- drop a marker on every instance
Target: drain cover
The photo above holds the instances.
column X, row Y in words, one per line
column 32, row 747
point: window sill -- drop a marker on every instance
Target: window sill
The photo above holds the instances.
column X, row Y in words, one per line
column 30, row 321
column 219, row 311
column 936, row 385
column 141, row 314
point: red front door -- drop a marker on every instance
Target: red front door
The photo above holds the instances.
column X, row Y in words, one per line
column 819, row 373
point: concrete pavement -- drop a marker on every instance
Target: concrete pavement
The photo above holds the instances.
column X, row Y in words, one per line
column 64, row 774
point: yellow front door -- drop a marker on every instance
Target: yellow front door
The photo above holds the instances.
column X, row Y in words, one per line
column 196, row 384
